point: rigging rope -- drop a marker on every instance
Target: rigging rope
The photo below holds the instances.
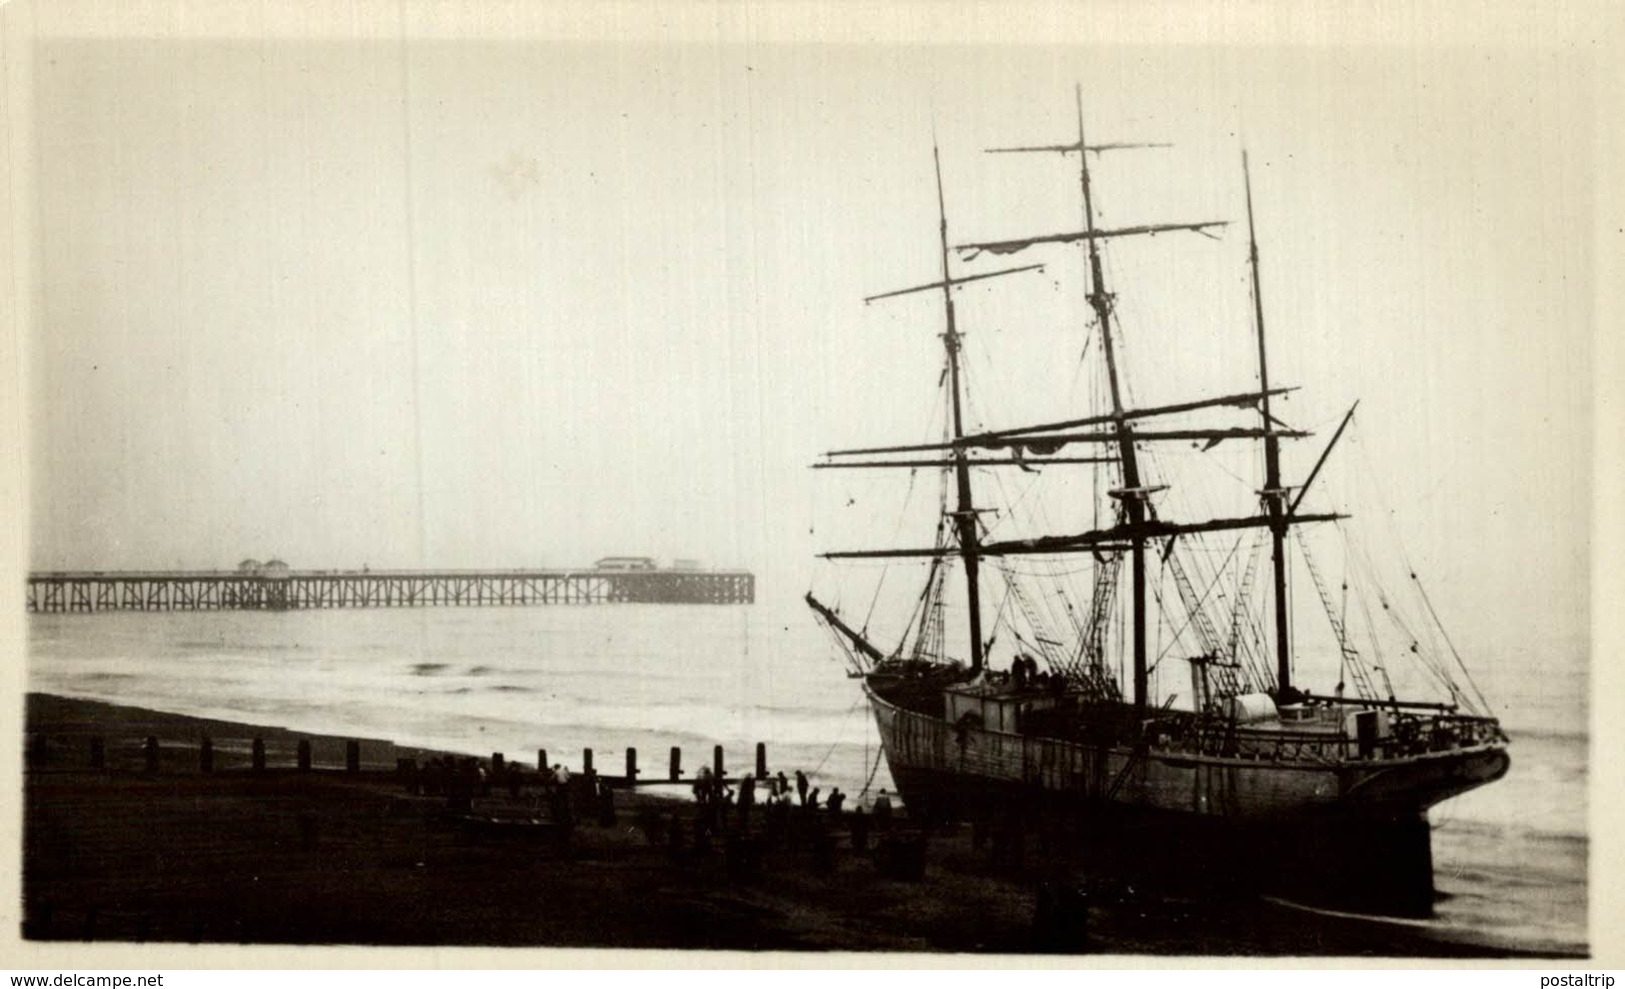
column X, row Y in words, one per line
column 880, row 750
column 844, row 719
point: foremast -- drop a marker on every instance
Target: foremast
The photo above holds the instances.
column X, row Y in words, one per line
column 964, row 515
column 964, row 505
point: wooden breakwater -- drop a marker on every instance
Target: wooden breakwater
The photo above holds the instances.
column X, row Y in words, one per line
column 86, row 592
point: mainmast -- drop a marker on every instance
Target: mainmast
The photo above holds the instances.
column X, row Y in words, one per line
column 1132, row 493
column 964, row 509
column 1274, row 495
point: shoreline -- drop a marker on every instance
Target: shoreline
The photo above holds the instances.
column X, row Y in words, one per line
column 328, row 856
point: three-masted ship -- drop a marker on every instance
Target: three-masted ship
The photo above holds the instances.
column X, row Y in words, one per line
column 1313, row 789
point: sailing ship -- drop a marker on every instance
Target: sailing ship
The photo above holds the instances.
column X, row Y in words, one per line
column 1318, row 789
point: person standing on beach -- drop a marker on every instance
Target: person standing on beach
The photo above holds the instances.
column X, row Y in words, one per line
column 860, row 829
column 562, row 812
column 747, row 799
column 781, row 786
column 882, row 811
column 836, row 799
column 801, row 786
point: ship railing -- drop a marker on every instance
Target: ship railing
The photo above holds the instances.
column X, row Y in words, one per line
column 1408, row 735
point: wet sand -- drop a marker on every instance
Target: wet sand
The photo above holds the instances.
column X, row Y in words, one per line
column 329, row 856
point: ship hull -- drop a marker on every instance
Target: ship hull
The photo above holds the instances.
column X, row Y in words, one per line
column 1351, row 834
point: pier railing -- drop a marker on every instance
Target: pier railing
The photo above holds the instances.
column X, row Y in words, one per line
column 229, row 590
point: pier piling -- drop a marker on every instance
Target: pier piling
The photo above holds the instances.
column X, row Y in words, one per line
column 87, row 592
column 716, row 761
column 631, row 765
column 676, row 764
column 761, row 760
column 541, row 760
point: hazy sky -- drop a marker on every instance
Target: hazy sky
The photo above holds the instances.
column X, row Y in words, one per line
column 398, row 293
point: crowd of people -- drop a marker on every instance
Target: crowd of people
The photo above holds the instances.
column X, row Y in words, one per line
column 771, row 805
column 1024, row 673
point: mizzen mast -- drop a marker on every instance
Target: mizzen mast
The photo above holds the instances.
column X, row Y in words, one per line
column 1274, row 495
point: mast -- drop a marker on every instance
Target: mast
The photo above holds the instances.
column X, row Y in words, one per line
column 965, row 510
column 1132, row 493
column 1274, row 495
column 964, row 514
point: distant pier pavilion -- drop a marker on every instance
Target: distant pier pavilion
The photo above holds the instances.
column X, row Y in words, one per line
column 283, row 589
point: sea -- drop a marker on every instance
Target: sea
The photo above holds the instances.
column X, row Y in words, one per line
column 1510, row 859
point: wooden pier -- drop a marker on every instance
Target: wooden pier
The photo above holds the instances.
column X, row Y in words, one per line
column 231, row 590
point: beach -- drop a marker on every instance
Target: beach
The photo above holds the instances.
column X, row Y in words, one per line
column 349, row 855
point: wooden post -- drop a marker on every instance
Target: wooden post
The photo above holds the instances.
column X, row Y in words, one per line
column 150, row 750
column 98, row 752
column 716, row 761
column 541, row 760
column 586, row 762
column 631, row 765
column 304, row 755
column 259, row 755
column 352, row 756
column 761, row 760
column 676, row 764
column 205, row 754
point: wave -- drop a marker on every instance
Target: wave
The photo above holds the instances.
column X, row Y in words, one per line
column 1496, row 830
column 1478, row 828
column 1446, row 930
column 1550, row 734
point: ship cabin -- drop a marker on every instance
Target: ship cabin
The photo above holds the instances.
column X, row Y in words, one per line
column 997, row 702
